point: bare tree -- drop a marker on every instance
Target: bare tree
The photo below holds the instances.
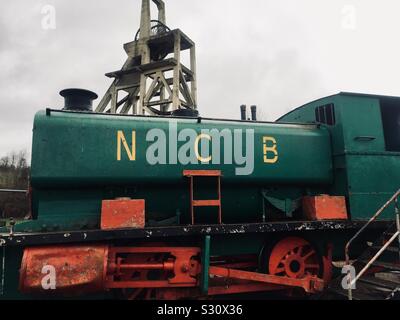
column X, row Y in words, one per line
column 22, row 162
column 4, row 162
column 14, row 174
column 15, row 160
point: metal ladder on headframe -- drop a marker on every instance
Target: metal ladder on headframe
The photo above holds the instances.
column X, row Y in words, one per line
column 191, row 174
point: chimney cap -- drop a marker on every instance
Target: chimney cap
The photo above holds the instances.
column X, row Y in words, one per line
column 78, row 99
column 76, row 91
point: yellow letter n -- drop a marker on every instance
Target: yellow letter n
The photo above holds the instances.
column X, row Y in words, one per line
column 130, row 152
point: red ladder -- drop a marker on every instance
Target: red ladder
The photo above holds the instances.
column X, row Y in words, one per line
column 191, row 174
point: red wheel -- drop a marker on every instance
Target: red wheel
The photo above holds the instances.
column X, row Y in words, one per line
column 294, row 257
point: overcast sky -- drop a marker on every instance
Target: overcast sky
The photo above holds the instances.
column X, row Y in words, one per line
column 277, row 54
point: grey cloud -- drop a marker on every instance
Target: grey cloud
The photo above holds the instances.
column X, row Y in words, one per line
column 276, row 54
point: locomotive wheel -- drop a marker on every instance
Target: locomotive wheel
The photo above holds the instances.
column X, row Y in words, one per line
column 294, row 257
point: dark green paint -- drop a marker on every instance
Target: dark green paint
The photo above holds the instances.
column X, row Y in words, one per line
column 205, row 264
column 364, row 171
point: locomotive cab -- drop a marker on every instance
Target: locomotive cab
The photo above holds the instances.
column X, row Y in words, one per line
column 365, row 133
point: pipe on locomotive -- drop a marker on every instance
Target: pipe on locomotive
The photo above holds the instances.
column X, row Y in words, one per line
column 243, row 112
column 253, row 113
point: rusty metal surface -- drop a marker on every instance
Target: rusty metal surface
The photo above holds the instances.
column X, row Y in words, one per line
column 81, row 270
column 77, row 270
column 206, row 203
column 325, row 207
column 308, row 283
column 202, row 173
column 130, row 267
column 122, row 213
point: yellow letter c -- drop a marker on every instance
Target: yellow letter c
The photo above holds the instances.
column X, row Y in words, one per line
column 196, row 147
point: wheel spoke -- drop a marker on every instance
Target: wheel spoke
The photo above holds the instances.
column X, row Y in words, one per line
column 135, row 294
column 309, row 254
column 279, row 270
column 300, row 250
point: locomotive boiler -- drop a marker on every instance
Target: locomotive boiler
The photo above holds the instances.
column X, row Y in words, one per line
column 106, row 157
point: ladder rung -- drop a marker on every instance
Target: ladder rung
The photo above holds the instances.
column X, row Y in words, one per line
column 202, row 173
column 206, row 203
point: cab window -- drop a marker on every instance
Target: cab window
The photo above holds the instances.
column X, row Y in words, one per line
column 325, row 114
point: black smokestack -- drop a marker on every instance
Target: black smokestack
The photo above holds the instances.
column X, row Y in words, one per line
column 78, row 99
column 243, row 112
column 253, row 113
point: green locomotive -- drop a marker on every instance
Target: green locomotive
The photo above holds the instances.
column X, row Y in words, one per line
column 121, row 204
